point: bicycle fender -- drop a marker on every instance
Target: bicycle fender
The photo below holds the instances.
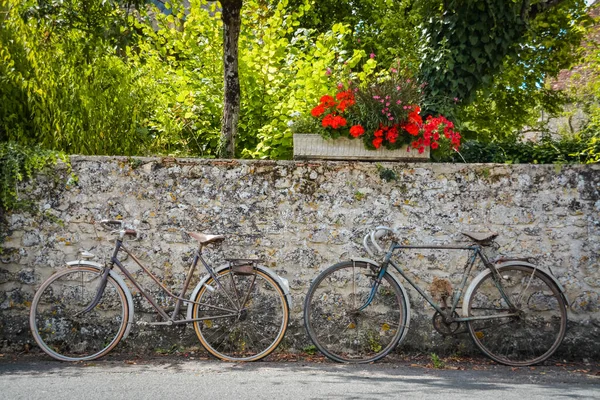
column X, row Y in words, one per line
column 501, row 266
column 119, row 281
column 282, row 282
column 404, row 293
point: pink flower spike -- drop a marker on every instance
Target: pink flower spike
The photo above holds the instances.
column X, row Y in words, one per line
column 376, row 97
column 394, row 70
column 399, row 102
column 340, row 85
column 387, row 104
column 372, row 55
column 328, row 72
column 398, row 88
column 391, row 118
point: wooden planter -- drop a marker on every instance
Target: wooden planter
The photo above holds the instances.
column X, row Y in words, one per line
column 312, row 146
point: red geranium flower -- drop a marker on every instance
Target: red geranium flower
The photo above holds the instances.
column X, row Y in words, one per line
column 377, row 142
column 328, row 101
column 411, row 128
column 357, row 130
column 318, row 110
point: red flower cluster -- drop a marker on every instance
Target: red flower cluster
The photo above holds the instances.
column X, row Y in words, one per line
column 346, row 100
column 413, row 124
column 433, row 127
column 333, row 107
column 389, row 133
column 333, row 121
column 421, row 134
column 431, row 134
column 357, row 130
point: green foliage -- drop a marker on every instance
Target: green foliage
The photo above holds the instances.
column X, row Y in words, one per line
column 575, row 149
column 393, row 92
column 469, row 42
column 517, row 96
column 19, row 164
column 384, row 28
column 67, row 88
column 282, row 77
column 177, row 61
column 105, row 77
column 437, row 362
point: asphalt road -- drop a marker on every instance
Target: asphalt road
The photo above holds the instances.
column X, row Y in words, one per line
column 179, row 378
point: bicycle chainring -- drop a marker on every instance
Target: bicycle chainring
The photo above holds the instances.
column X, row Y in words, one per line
column 444, row 328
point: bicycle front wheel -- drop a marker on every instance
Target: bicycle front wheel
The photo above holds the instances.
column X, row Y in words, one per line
column 61, row 329
column 537, row 329
column 336, row 324
column 245, row 316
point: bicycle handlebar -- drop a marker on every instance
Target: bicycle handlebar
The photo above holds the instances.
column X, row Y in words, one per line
column 106, row 224
column 375, row 234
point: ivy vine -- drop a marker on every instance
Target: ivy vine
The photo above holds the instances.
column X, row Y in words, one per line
column 19, row 164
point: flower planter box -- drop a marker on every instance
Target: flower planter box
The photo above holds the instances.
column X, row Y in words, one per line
column 313, row 146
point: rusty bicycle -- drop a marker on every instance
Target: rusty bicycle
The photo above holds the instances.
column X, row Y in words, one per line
column 239, row 310
column 515, row 312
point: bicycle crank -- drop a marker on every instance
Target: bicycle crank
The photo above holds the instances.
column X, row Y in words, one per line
column 444, row 328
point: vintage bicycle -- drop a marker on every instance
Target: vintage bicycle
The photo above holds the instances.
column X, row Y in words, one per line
column 515, row 312
column 239, row 310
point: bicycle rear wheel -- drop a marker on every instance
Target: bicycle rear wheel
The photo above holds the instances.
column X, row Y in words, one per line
column 59, row 328
column 535, row 333
column 246, row 316
column 335, row 324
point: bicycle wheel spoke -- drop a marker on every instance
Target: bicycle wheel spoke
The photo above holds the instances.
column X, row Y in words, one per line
column 335, row 325
column 259, row 323
column 534, row 332
column 59, row 327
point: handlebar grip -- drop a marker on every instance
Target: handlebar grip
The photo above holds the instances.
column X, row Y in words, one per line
column 111, row 222
column 131, row 232
column 366, row 245
column 374, row 241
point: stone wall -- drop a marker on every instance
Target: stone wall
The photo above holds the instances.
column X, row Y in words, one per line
column 302, row 217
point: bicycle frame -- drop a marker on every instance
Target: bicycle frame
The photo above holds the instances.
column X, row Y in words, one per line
column 169, row 320
column 476, row 251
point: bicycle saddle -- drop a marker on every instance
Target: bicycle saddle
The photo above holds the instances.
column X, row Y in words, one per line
column 206, row 239
column 480, row 237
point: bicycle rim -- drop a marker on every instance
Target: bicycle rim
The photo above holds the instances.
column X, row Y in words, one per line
column 335, row 325
column 260, row 316
column 533, row 335
column 63, row 333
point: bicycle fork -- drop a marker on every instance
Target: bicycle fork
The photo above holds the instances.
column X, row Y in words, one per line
column 99, row 292
column 375, row 286
column 103, row 282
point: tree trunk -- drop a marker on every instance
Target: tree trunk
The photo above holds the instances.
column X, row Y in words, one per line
column 232, row 21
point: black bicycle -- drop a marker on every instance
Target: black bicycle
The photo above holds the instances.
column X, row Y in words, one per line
column 357, row 311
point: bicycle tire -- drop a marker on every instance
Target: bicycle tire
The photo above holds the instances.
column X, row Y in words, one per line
column 66, row 336
column 338, row 329
column 259, row 324
column 532, row 336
